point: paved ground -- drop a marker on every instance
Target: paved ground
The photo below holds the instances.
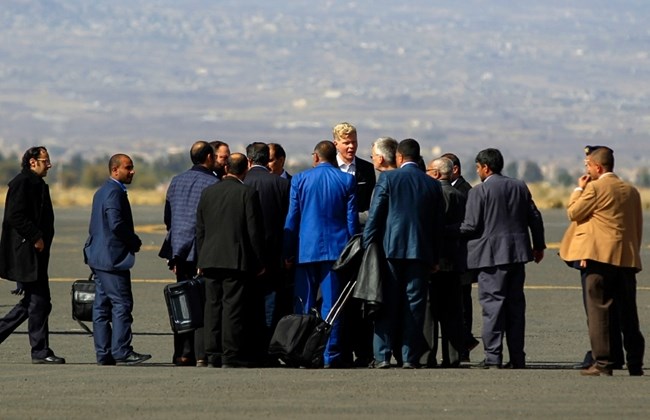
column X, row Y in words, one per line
column 556, row 338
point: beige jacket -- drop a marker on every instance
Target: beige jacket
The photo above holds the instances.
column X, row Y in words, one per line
column 606, row 224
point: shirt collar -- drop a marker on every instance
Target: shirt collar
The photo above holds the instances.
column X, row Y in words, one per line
column 345, row 167
column 119, row 183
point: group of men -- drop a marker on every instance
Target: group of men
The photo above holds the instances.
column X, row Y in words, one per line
column 266, row 244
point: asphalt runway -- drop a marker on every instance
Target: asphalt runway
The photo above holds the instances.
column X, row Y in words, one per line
column 556, row 338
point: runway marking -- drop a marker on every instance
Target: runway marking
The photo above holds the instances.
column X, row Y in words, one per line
column 164, row 281
column 157, row 228
column 556, row 245
column 70, row 280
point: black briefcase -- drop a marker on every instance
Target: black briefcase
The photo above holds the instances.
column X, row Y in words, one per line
column 185, row 301
column 83, row 297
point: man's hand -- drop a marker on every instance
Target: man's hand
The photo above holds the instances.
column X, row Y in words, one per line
column 583, row 181
column 39, row 245
column 288, row 263
column 18, row 291
column 538, row 255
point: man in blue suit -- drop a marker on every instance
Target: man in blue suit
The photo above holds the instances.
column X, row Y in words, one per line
column 499, row 213
column 407, row 217
column 110, row 253
column 322, row 218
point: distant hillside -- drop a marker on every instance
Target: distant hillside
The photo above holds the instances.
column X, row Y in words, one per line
column 536, row 79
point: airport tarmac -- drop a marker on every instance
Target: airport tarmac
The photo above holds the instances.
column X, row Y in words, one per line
column 556, row 338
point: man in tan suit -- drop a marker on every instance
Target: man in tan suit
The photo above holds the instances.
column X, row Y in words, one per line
column 606, row 240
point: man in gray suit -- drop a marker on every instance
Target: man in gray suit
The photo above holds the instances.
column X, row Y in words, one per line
column 500, row 211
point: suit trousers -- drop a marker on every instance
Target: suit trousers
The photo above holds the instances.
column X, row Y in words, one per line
column 447, row 310
column 501, row 295
column 403, row 311
column 615, row 336
column 35, row 307
column 606, row 285
column 310, row 278
column 112, row 317
column 225, row 317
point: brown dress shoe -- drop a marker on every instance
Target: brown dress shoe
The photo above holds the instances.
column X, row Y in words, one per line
column 597, row 370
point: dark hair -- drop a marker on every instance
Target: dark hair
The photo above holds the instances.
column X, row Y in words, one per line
column 492, row 158
column 200, row 152
column 279, row 150
column 453, row 158
column 237, row 164
column 115, row 161
column 326, row 151
column 258, row 153
column 604, row 156
column 32, row 153
column 409, row 149
column 216, row 144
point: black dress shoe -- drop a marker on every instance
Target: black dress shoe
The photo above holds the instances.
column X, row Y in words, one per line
column 133, row 359
column 511, row 365
column 49, row 360
column 337, row 364
column 485, row 365
column 635, row 370
column 107, row 362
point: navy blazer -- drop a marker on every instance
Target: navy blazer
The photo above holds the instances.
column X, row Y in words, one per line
column 499, row 213
column 407, row 215
column 112, row 241
column 182, row 199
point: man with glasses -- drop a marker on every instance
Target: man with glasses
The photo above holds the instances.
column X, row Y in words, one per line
column 29, row 221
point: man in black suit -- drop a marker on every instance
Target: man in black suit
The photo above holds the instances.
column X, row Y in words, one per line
column 469, row 276
column 230, row 213
column 345, row 140
column 445, row 287
column 274, row 198
column 29, row 220
column 277, row 159
column 357, row 332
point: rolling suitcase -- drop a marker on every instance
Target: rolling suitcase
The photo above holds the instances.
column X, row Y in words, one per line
column 300, row 339
column 83, row 297
column 185, row 301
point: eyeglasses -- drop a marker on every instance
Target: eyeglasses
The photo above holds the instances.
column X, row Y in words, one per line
column 47, row 161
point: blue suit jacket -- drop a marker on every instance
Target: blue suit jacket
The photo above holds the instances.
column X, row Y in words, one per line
column 407, row 215
column 499, row 213
column 112, row 241
column 322, row 214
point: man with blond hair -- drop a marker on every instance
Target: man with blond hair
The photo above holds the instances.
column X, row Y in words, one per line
column 357, row 332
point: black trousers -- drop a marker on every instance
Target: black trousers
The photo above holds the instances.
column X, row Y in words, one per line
column 234, row 311
column 35, row 307
column 445, row 295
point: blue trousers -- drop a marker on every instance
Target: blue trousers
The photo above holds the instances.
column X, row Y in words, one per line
column 112, row 317
column 501, row 294
column 402, row 318
column 309, row 278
